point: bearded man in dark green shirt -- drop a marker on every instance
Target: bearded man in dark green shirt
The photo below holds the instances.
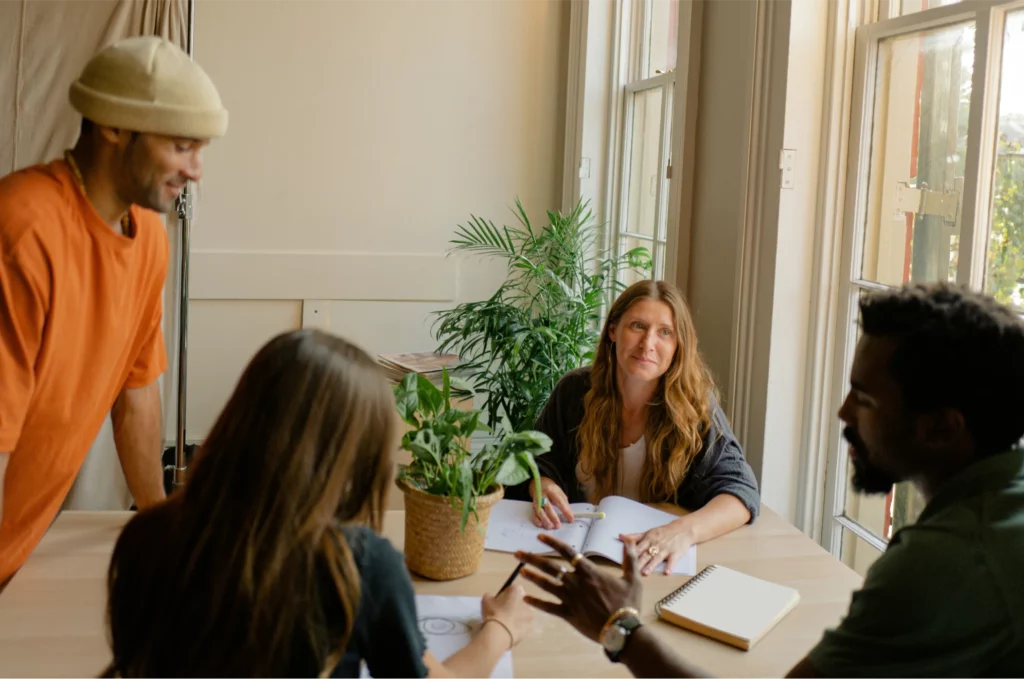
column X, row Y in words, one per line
column 936, row 398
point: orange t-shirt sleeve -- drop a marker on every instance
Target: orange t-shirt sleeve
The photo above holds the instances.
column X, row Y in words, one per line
column 24, row 300
column 151, row 359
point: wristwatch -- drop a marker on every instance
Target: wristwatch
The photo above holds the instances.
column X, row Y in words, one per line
column 617, row 630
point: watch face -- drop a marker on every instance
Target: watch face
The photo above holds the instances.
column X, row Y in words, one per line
column 614, row 639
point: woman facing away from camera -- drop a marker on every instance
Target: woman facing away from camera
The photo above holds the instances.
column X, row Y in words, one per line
column 269, row 561
column 643, row 422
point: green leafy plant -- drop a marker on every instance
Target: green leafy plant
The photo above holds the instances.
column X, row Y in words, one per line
column 543, row 320
column 1005, row 276
column 442, row 463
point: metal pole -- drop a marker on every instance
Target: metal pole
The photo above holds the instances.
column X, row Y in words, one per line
column 185, row 224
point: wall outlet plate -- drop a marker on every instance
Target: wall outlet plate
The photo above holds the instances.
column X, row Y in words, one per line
column 316, row 313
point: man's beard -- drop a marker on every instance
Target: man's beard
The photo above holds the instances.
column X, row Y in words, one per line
column 147, row 196
column 155, row 201
column 867, row 478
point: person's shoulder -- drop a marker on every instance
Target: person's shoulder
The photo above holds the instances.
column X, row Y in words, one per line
column 30, row 198
column 382, row 571
column 945, row 530
column 577, row 380
column 372, row 551
column 992, row 523
column 39, row 180
column 718, row 422
column 925, row 553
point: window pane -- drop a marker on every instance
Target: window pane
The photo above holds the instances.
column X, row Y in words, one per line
column 922, row 93
column 644, row 166
column 912, row 6
column 633, row 275
column 907, row 505
column 857, row 553
column 870, row 511
column 663, row 18
column 881, row 514
column 1005, row 268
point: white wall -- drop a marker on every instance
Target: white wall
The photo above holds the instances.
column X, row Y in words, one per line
column 790, row 336
column 361, row 134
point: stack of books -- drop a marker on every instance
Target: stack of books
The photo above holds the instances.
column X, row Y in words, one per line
column 428, row 364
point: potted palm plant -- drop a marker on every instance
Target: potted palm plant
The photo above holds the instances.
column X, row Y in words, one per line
column 449, row 490
column 543, row 320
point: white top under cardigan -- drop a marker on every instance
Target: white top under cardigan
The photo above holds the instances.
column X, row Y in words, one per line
column 631, row 468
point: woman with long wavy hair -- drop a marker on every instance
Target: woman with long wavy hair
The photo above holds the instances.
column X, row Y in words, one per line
column 643, row 422
column 270, row 562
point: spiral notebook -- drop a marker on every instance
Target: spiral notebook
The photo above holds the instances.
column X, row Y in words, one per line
column 732, row 607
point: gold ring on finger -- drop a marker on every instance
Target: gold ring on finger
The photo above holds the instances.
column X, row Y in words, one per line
column 576, row 558
column 562, row 570
column 653, row 551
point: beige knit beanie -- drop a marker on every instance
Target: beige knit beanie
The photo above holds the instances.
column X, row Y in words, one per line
column 149, row 84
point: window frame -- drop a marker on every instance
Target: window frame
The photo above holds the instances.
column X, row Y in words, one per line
column 632, row 31
column 989, row 18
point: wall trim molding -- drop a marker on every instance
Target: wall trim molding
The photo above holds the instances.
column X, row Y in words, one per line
column 618, row 76
column 686, row 94
column 756, row 263
column 844, row 17
column 579, row 12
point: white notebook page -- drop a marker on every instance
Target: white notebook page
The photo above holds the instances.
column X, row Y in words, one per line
column 510, row 528
column 625, row 516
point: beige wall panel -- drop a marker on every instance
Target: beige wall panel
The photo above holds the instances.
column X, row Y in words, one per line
column 361, row 134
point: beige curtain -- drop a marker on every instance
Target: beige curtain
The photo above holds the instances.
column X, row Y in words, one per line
column 43, row 46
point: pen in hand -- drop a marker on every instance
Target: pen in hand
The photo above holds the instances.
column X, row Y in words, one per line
column 511, row 578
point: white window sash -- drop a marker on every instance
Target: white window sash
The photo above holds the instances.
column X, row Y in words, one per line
column 988, row 17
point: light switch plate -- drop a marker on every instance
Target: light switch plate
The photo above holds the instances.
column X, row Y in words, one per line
column 585, row 168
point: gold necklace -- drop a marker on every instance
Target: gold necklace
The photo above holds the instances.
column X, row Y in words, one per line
column 126, row 219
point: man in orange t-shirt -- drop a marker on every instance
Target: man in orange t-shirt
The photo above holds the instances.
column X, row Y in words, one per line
column 83, row 256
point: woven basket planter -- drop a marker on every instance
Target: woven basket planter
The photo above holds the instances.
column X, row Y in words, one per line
column 436, row 547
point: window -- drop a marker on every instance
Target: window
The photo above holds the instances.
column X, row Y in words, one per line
column 904, row 7
column 641, row 163
column 935, row 191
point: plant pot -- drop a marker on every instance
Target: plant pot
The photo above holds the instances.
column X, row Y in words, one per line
column 436, row 547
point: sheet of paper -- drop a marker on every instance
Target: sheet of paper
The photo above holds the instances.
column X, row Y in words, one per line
column 510, row 528
column 448, row 624
column 623, row 515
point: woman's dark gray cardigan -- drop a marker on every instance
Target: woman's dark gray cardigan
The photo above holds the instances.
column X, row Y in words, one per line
column 719, row 468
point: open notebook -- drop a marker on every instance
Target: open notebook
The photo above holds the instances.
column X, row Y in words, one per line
column 510, row 528
column 732, row 607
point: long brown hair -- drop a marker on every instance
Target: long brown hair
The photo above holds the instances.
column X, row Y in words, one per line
column 233, row 574
column 677, row 418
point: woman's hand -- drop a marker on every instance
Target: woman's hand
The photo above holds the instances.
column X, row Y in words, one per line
column 552, row 498
column 587, row 595
column 511, row 609
column 668, row 543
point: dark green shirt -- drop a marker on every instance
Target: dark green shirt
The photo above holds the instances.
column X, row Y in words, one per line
column 947, row 596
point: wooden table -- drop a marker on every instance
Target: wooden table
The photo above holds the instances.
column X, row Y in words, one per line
column 52, row 612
